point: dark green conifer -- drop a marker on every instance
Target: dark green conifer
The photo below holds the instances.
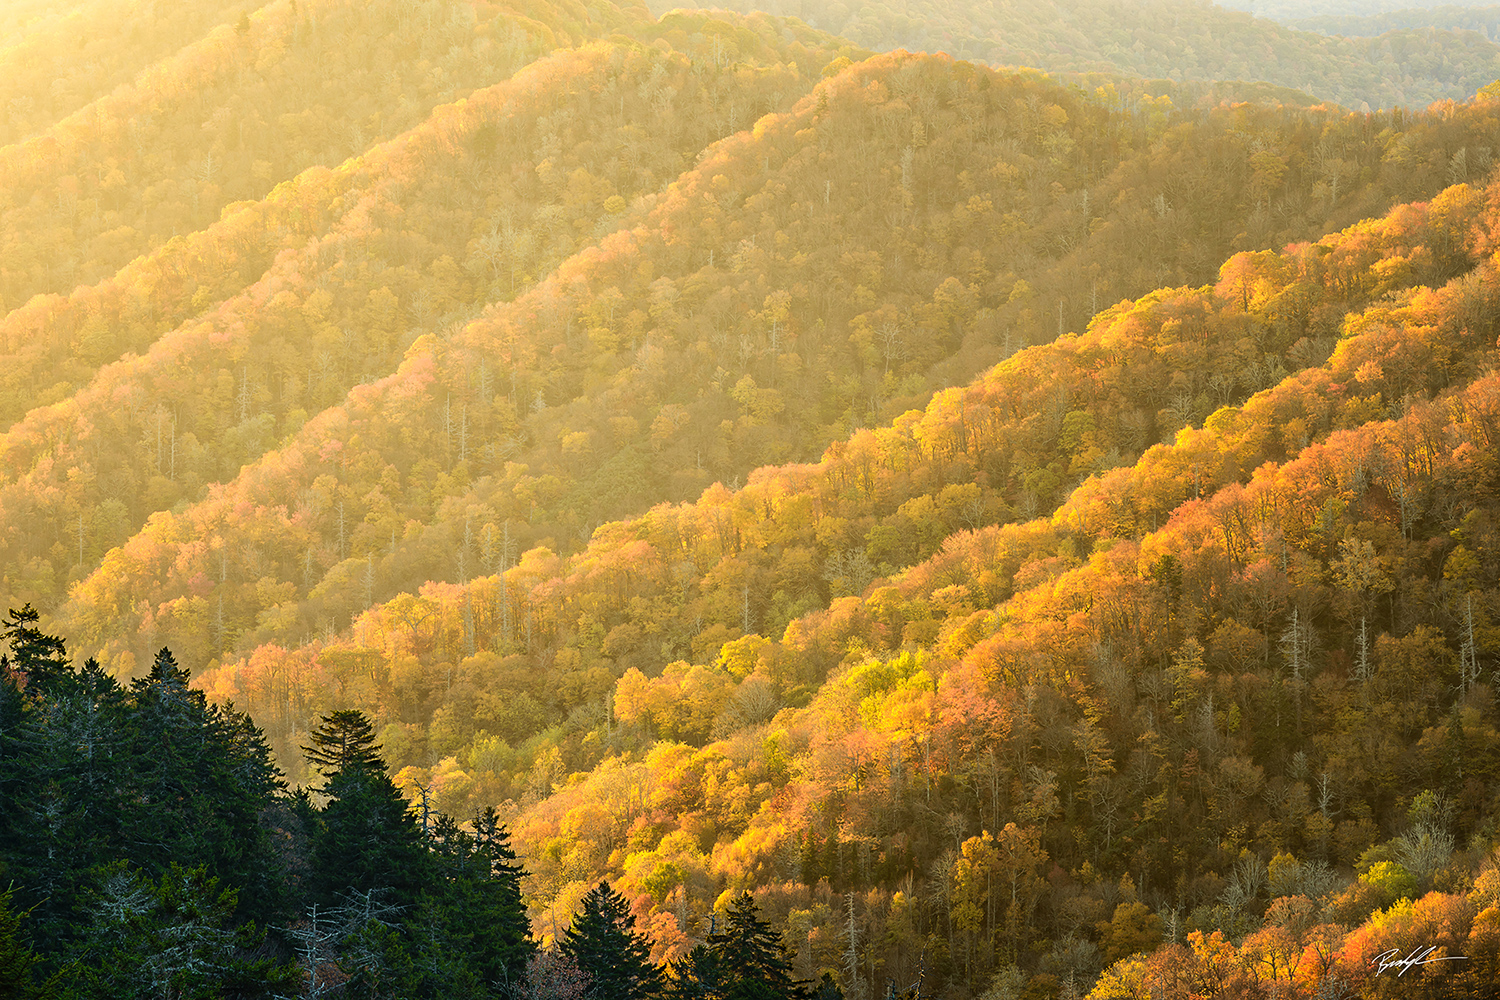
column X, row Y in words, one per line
column 695, row 976
column 604, row 943
column 809, row 861
column 508, row 929
column 343, row 740
column 203, row 777
column 18, row 973
column 366, row 839
column 42, row 658
column 827, row 989
column 833, row 861
column 477, row 898
column 751, row 957
column 92, row 774
column 175, row 936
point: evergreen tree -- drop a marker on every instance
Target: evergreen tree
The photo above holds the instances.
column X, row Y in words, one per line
column 604, row 943
column 695, row 976
column 753, row 962
column 833, row 861
column 18, row 973
column 810, row 861
column 827, row 989
column 412, row 959
column 153, row 776
column 365, row 839
column 41, row 658
column 508, row 944
column 13, row 784
column 203, row 777
column 132, row 820
column 175, row 936
column 71, row 760
column 343, row 740
column 477, row 898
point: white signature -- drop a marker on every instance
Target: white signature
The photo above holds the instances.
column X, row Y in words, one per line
column 1388, row 959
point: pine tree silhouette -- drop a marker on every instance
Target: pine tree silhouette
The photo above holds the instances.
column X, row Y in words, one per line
column 604, row 943
column 752, row 959
column 343, row 740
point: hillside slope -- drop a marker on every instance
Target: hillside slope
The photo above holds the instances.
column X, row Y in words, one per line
column 239, row 110
column 1034, row 534
column 413, row 238
column 683, row 580
column 1261, row 638
column 57, row 57
column 1484, row 19
column 666, row 358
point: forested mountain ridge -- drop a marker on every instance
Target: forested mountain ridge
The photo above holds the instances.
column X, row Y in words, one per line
column 1002, row 447
column 56, row 343
column 230, row 115
column 58, row 57
column 715, row 449
column 1167, row 39
column 1229, row 607
column 451, row 259
column 1229, row 630
column 1287, row 10
column 507, row 441
column 1484, row 19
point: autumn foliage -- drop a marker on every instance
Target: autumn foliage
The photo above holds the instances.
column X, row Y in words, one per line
column 1038, row 537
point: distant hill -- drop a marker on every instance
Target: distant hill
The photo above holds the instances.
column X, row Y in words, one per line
column 1290, row 10
column 1170, row 39
column 237, row 110
column 1485, row 20
column 57, row 57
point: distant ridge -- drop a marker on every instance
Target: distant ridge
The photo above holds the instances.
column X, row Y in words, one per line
column 1170, row 39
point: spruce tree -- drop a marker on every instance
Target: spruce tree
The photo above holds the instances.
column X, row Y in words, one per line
column 203, row 777
column 91, row 774
column 343, row 740
column 41, row 658
column 14, row 786
column 365, row 839
column 508, row 943
column 169, row 937
column 809, row 862
column 752, row 960
column 695, row 976
column 828, row 989
column 604, row 943
column 477, row 899
column 72, row 760
column 18, row 973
